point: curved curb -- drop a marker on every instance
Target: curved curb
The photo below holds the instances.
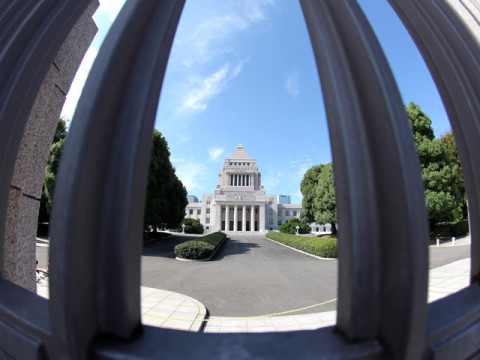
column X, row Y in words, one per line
column 301, row 251
column 171, row 310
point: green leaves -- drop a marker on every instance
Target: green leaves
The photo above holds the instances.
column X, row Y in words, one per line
column 441, row 172
column 319, row 201
column 290, row 227
column 166, row 196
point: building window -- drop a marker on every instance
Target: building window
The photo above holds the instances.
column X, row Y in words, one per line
column 199, row 211
column 208, row 202
column 270, row 211
column 279, row 222
column 294, row 213
column 287, row 213
column 270, row 202
column 208, row 210
column 270, row 221
column 207, row 220
column 190, row 211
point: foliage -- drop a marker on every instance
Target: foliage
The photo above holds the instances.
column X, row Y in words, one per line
column 290, row 227
column 166, row 196
column 449, row 229
column 443, row 192
column 452, row 157
column 201, row 248
column 53, row 162
column 324, row 247
column 60, row 131
column 318, row 190
column 192, row 226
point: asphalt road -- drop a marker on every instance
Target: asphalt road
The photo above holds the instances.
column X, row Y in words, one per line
column 252, row 276
column 249, row 276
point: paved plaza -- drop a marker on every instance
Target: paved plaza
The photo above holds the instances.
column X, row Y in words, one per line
column 168, row 309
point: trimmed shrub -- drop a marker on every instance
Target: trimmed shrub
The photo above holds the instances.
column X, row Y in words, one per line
column 323, row 247
column 449, row 229
column 460, row 228
column 200, row 248
column 192, row 226
column 290, row 227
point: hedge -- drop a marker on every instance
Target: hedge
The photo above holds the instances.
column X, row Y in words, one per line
column 324, row 247
column 201, row 248
column 449, row 229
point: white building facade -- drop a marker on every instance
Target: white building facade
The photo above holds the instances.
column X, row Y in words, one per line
column 239, row 202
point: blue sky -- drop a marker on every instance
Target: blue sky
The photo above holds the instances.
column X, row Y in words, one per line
column 242, row 72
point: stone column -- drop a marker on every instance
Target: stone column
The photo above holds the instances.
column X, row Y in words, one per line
column 244, row 218
column 227, row 218
column 261, row 220
column 252, row 218
column 27, row 180
column 235, row 218
column 218, row 217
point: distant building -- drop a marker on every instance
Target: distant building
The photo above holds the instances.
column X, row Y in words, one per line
column 192, row 199
column 239, row 202
column 284, row 199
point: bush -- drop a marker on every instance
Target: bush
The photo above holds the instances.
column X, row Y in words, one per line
column 200, row 248
column 323, row 247
column 449, row 229
column 461, row 228
column 290, row 227
column 192, row 226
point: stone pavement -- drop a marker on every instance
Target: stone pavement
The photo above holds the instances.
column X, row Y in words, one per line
column 175, row 311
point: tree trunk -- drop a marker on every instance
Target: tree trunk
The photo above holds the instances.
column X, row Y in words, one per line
column 334, row 228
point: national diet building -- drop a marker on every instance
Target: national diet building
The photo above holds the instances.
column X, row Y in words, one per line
column 239, row 202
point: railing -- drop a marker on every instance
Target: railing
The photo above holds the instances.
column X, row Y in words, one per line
column 94, row 309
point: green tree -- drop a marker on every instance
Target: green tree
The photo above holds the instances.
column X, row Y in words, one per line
column 318, row 190
column 452, row 157
column 290, row 227
column 442, row 193
column 192, row 226
column 51, row 169
column 166, row 196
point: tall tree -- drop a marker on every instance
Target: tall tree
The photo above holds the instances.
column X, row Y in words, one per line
column 51, row 169
column 166, row 196
column 452, row 158
column 318, row 190
column 442, row 192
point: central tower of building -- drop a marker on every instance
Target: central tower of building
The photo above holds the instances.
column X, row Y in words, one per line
column 239, row 202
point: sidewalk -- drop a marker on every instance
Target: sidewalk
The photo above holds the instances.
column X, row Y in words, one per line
column 175, row 311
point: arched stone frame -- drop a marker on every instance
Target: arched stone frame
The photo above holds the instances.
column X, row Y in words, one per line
column 27, row 180
column 377, row 316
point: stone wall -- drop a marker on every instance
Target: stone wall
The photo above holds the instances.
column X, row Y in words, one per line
column 27, row 180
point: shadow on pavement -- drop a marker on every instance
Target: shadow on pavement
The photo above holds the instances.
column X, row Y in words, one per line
column 233, row 247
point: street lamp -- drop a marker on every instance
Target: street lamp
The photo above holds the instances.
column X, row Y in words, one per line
column 183, row 228
column 297, row 227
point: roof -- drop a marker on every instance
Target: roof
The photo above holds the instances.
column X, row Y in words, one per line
column 240, row 154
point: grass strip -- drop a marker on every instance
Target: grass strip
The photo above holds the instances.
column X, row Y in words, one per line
column 324, row 247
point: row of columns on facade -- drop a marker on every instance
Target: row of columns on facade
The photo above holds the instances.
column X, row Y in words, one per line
column 241, row 180
column 244, row 218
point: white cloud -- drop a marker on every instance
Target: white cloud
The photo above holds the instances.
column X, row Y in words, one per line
column 215, row 34
column 215, row 153
column 292, row 85
column 191, row 172
column 200, row 90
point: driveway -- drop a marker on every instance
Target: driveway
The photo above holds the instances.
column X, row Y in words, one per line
column 249, row 276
